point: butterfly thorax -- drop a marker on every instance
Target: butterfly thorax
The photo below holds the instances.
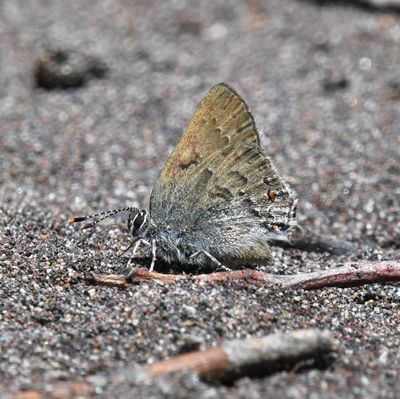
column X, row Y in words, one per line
column 171, row 243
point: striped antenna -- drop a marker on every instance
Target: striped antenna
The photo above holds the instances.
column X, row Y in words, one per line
column 101, row 215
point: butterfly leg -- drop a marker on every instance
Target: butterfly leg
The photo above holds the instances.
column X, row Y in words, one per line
column 153, row 251
column 220, row 266
column 124, row 251
column 135, row 249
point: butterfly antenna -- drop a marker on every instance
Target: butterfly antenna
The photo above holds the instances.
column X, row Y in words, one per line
column 101, row 216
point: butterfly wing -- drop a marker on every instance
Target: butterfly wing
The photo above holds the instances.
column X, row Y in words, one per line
column 219, row 191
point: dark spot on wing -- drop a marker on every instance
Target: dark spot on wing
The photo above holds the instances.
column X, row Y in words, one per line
column 219, row 192
column 203, row 179
column 237, row 179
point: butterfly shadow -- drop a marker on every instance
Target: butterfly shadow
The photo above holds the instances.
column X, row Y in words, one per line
column 323, row 362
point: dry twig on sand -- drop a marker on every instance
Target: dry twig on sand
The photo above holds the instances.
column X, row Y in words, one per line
column 232, row 360
column 347, row 275
column 256, row 356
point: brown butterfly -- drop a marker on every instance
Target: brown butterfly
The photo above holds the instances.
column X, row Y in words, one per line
column 218, row 200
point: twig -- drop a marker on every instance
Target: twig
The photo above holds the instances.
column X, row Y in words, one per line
column 62, row 390
column 256, row 356
column 232, row 360
column 348, row 275
column 138, row 276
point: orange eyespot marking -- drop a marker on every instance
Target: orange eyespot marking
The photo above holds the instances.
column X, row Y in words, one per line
column 271, row 195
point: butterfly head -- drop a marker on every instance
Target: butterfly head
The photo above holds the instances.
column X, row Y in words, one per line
column 138, row 221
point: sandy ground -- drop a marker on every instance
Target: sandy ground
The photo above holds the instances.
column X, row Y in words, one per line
column 323, row 83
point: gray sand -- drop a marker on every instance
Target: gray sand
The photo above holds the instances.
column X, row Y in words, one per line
column 323, row 83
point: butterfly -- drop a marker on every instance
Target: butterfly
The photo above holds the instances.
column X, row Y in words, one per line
column 219, row 200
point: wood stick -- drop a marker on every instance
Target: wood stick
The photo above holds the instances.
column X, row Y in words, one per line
column 351, row 274
column 232, row 360
column 256, row 356
column 61, row 390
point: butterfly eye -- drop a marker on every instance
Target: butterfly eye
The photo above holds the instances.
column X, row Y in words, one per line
column 139, row 219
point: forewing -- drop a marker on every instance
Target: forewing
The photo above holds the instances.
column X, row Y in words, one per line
column 218, row 182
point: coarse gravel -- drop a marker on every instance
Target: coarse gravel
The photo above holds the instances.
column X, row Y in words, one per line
column 323, row 82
